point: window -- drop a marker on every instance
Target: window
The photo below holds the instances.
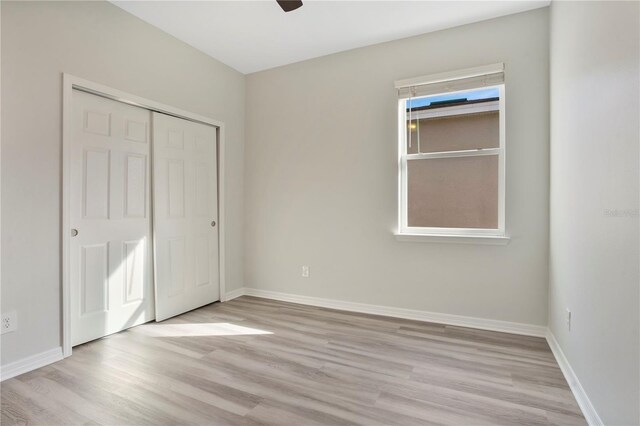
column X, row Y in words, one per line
column 452, row 154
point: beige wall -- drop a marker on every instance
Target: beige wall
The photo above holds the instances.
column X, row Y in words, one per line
column 321, row 178
column 99, row 42
column 595, row 186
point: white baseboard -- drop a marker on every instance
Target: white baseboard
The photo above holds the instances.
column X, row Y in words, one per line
column 588, row 410
column 233, row 294
column 411, row 314
column 30, row 363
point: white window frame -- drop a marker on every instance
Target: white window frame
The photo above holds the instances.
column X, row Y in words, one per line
column 437, row 234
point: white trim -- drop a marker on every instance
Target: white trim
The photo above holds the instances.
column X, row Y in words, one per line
column 588, row 410
column 402, row 162
column 222, row 222
column 128, row 98
column 403, row 157
column 30, row 363
column 495, row 240
column 450, row 75
column 502, row 165
column 479, row 152
column 410, row 314
column 233, row 294
column 67, row 105
column 69, row 83
column 452, row 232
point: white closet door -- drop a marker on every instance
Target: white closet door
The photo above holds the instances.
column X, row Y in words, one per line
column 185, row 192
column 110, row 212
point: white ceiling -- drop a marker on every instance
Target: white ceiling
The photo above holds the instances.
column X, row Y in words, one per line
column 252, row 36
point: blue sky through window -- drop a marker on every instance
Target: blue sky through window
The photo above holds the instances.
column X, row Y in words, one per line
column 470, row 95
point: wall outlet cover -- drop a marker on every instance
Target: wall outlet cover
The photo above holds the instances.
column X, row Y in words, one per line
column 9, row 322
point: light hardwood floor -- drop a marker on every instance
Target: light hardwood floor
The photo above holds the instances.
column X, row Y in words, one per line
column 217, row 365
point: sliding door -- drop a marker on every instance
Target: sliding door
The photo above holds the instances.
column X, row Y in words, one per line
column 111, row 275
column 185, row 214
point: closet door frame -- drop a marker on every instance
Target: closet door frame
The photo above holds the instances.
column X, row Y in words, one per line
column 70, row 83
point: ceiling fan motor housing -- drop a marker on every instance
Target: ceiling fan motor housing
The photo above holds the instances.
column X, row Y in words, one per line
column 289, row 5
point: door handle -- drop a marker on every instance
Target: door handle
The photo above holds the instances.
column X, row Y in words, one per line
column 74, row 232
column 213, row 223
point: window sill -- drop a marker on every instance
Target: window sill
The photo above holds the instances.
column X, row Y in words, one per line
column 495, row 240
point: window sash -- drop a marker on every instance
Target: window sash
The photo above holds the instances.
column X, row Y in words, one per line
column 450, row 154
column 404, row 157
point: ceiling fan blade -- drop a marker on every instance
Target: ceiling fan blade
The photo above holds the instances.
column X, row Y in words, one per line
column 289, row 5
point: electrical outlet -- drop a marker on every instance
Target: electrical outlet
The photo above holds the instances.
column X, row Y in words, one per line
column 305, row 272
column 9, row 322
column 568, row 317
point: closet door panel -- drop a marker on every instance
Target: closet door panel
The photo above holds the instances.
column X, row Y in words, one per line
column 185, row 215
column 111, row 274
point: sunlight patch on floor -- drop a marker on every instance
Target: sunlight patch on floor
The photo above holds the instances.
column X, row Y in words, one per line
column 198, row 329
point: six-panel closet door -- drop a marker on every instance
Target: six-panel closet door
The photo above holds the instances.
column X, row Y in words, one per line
column 110, row 264
column 185, row 215
column 143, row 207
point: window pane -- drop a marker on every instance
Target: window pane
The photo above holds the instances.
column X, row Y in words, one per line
column 453, row 122
column 458, row 132
column 460, row 192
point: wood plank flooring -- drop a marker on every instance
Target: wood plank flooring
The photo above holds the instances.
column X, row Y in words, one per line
column 256, row 361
